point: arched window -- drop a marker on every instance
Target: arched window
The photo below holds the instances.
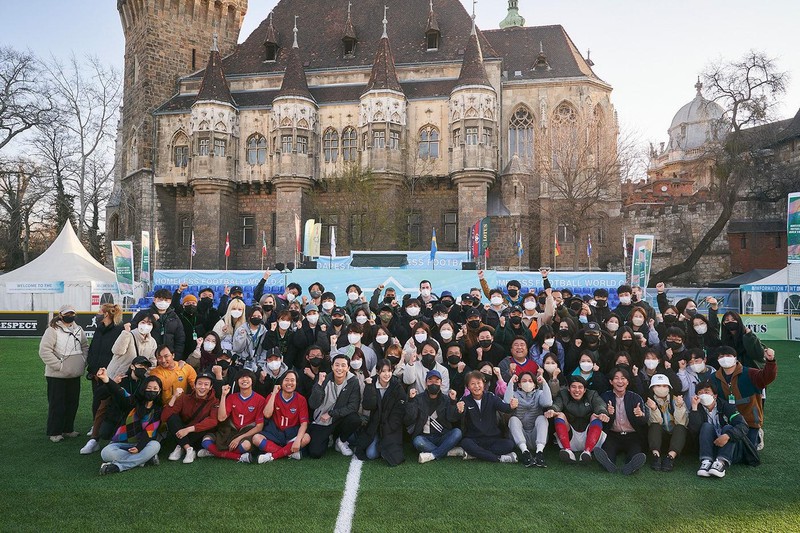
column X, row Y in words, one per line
column 256, row 149
column 349, row 144
column 330, row 143
column 429, row 142
column 565, row 143
column 520, row 134
column 113, row 227
column 180, row 150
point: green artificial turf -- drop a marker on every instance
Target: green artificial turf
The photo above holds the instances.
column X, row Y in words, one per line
column 50, row 487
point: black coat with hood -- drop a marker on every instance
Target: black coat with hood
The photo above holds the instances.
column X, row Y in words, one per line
column 100, row 349
column 385, row 421
column 167, row 329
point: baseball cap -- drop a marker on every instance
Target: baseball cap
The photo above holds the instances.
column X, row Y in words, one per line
column 433, row 374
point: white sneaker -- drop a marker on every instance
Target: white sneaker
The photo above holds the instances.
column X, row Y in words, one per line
column 426, row 457
column 204, row 453
column 296, row 456
column 245, row 457
column 176, row 454
column 190, row 456
column 343, row 448
column 89, row 433
column 265, row 458
column 468, row 457
column 508, row 458
column 705, row 466
column 458, row 451
column 760, row 439
column 56, row 438
column 718, row 469
column 90, row 447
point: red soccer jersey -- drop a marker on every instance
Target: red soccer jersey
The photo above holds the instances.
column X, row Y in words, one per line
column 245, row 411
column 528, row 366
column 290, row 413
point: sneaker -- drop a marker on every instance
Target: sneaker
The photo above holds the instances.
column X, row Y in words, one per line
column 667, row 463
column 89, row 433
column 90, row 447
column 468, row 457
column 296, row 456
column 154, row 461
column 586, row 457
column 343, row 448
column 567, row 456
column 633, row 466
column 56, row 438
column 71, row 434
column 705, row 466
column 604, row 460
column 526, row 458
column 458, row 451
column 508, row 458
column 718, row 469
column 264, row 458
column 245, row 457
column 656, row 463
column 760, row 445
column 538, row 460
column 108, row 468
column 190, row 456
column 204, row 453
column 426, row 457
column 176, row 454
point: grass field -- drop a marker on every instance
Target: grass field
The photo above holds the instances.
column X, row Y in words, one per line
column 50, row 487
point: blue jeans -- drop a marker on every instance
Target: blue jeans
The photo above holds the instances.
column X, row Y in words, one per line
column 438, row 445
column 117, row 453
column 372, row 449
column 731, row 452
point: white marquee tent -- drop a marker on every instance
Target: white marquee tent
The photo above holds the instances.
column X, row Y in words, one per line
column 784, row 286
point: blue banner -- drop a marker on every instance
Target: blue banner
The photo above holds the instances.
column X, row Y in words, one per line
column 577, row 282
column 416, row 260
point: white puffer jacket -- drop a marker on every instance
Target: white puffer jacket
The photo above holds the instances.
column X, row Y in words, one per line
column 64, row 350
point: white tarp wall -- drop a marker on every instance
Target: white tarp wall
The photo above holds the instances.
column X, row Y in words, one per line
column 785, row 283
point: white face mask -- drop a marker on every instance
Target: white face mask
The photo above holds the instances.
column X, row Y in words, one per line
column 355, row 364
column 637, row 320
column 446, row 334
column 144, row 329
column 361, row 319
column 549, row 342
column 425, row 292
column 284, row 324
column 290, row 296
column 496, row 300
column 625, row 300
column 438, row 319
column 612, row 327
column 209, row 346
column 236, row 313
column 651, row 364
column 662, row 391
column 727, row 362
column 352, row 296
column 162, row 305
column 706, row 399
column 382, row 339
column 421, row 337
column 527, row 386
column 550, row 368
column 412, row 310
column 353, row 338
column 698, row 367
column 701, row 329
column 327, row 305
column 586, row 366
column 274, row 365
column 312, row 318
column 530, row 305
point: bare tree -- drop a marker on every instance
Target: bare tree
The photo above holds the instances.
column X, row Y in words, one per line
column 51, row 146
column 748, row 89
column 21, row 189
column 24, row 102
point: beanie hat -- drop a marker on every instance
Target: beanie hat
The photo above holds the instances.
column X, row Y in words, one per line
column 189, row 298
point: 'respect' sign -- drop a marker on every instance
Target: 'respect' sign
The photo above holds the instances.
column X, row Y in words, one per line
column 23, row 324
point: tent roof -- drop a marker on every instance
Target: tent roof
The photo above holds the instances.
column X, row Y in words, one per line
column 776, row 282
column 65, row 260
column 742, row 279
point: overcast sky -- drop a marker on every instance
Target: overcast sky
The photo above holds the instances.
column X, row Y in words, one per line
column 651, row 53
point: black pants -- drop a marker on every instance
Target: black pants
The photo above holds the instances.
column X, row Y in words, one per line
column 342, row 428
column 629, row 443
column 174, row 423
column 96, row 384
column 63, row 396
column 656, row 434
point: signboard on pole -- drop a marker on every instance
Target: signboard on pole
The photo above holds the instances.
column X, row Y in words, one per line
column 122, row 252
column 145, row 276
column 793, row 228
column 642, row 260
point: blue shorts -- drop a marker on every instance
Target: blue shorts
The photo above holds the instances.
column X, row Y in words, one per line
column 281, row 438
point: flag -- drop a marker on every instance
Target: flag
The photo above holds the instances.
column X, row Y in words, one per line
column 625, row 245
column 263, row 244
column 557, row 247
column 476, row 239
column 315, row 239
column 333, row 242
column 227, row 244
column 156, row 241
column 589, row 247
column 308, row 238
column 298, row 245
column 194, row 246
column 520, row 249
column 484, row 235
column 434, row 248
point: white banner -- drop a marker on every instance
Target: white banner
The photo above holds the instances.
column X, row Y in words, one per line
column 35, row 287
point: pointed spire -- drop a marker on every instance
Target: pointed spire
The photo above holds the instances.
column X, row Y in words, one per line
column 541, row 60
column 699, row 87
column 294, row 44
column 349, row 30
column 472, row 70
column 513, row 18
column 294, row 77
column 433, row 22
column 384, row 75
column 474, row 32
column 385, row 23
column 214, row 86
column 272, row 35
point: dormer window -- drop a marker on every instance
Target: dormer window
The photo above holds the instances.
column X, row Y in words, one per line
column 433, row 40
column 272, row 51
column 349, row 47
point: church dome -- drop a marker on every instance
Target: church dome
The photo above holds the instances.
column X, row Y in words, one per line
column 696, row 123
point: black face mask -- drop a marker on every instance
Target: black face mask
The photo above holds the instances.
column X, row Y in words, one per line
column 600, row 303
column 140, row 373
column 453, row 359
column 337, row 321
column 315, row 294
column 675, row 346
column 268, row 307
column 485, row 343
column 515, row 320
column 206, row 302
column 255, row 320
column 190, row 309
column 592, row 340
column 542, row 301
column 447, row 303
column 731, row 326
column 224, row 365
column 627, row 343
column 434, row 389
column 68, row 319
column 388, row 300
column 473, row 324
column 691, row 312
column 428, row 361
column 393, row 359
column 315, row 361
column 295, row 315
column 634, row 298
column 151, row 395
column 670, row 319
column 513, row 293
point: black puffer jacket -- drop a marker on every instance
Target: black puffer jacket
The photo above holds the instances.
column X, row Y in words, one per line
column 385, row 421
column 100, row 348
column 167, row 329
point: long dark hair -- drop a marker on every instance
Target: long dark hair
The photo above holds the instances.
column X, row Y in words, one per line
column 141, row 401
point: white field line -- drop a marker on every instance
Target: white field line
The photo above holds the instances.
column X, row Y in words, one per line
column 347, row 509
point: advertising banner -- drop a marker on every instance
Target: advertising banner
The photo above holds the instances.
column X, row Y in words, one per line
column 22, row 324
column 122, row 252
column 793, row 228
column 642, row 259
column 768, row 327
column 35, row 287
column 145, row 275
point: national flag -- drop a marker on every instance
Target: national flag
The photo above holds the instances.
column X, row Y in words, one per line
column 333, row 242
column 263, row 244
column 297, row 240
column 589, row 247
column 156, row 241
column 227, row 244
column 476, row 239
column 557, row 247
column 434, row 248
column 625, row 245
column 194, row 246
column 520, row 249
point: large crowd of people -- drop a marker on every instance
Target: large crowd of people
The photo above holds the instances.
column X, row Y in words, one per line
column 296, row 375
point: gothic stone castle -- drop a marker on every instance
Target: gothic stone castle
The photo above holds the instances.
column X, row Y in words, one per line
column 380, row 123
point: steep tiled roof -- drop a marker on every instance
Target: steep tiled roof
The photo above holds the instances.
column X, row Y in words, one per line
column 433, row 22
column 214, row 85
column 472, row 70
column 294, row 78
column 384, row 75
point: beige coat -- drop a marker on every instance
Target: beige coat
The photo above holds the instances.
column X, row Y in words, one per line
column 64, row 350
column 124, row 351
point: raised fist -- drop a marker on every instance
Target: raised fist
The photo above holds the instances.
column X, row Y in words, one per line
column 660, row 287
column 322, row 376
column 412, row 393
column 226, row 389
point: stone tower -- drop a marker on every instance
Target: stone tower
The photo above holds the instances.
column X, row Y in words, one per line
column 164, row 40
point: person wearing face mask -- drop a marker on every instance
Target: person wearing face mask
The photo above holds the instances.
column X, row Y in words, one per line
column 132, row 343
column 427, row 297
column 519, row 361
column 269, row 313
column 311, row 333
column 668, row 319
column 383, row 339
column 457, row 369
column 511, row 326
column 589, row 370
column 544, row 343
column 432, row 417
column 625, row 302
column 438, row 315
column 458, row 312
column 270, row 372
column 206, row 314
column 600, row 310
column 487, row 350
column 225, row 372
column 653, row 365
column 410, row 316
column 363, row 319
column 482, row 436
column 339, row 321
column 721, row 432
column 355, row 300
column 469, row 331
column 327, row 307
column 316, row 362
column 528, row 425
column 593, row 339
column 447, row 300
column 421, row 334
column 415, row 370
column 167, row 327
column 626, row 342
column 673, row 348
column 109, row 328
column 385, row 400
column 227, row 326
column 315, row 292
column 579, row 414
column 292, row 293
column 207, row 351
column 280, row 336
column 134, row 443
column 743, row 387
column 628, row 420
column 446, row 334
column 667, row 419
column 248, row 341
column 285, row 422
column 694, row 371
column 352, row 337
column 637, row 321
column 189, row 416
column 497, row 305
column 749, row 350
column 193, row 328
